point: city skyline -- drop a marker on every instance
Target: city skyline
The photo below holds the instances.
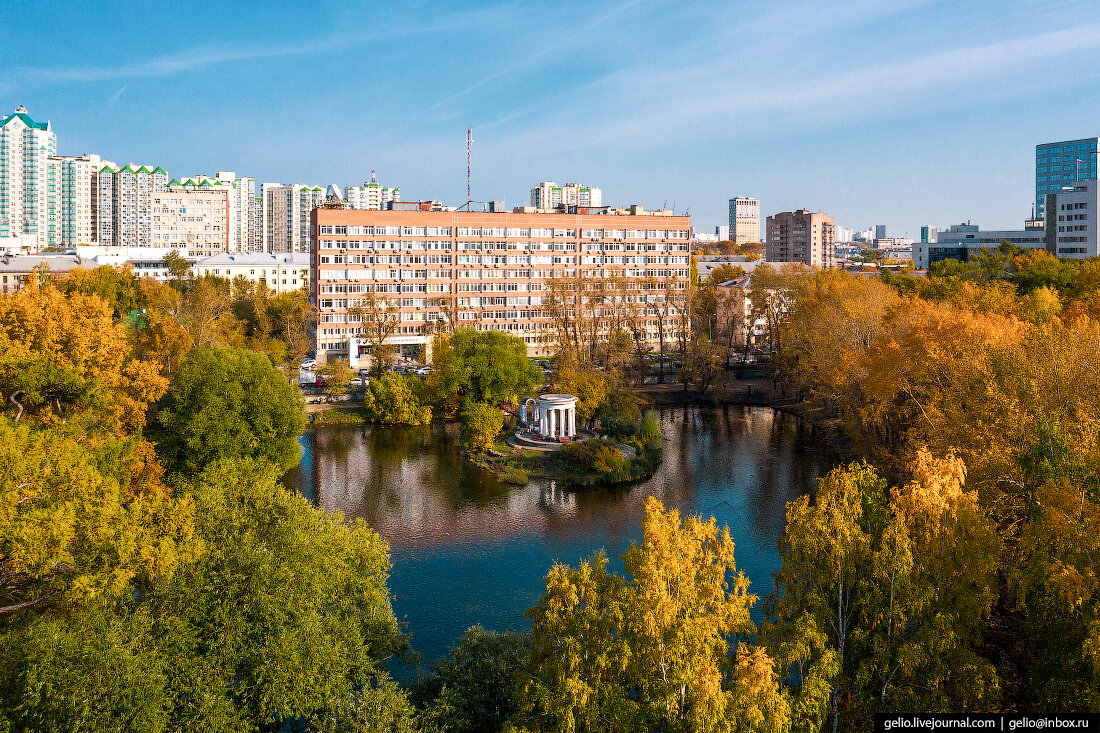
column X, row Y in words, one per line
column 907, row 113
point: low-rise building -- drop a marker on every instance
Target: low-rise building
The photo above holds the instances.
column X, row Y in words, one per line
column 14, row 269
column 281, row 273
column 963, row 241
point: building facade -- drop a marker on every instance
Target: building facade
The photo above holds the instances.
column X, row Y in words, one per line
column 801, row 236
column 744, row 226
column 286, row 215
column 1071, row 221
column 25, row 149
column 125, row 208
column 74, row 199
column 963, row 241
column 549, row 195
column 489, row 271
column 281, row 273
column 242, row 195
column 371, row 196
column 193, row 215
column 1056, row 165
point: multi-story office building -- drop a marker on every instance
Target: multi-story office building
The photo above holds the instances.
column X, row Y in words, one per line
column 74, row 199
column 25, row 148
column 1071, row 221
column 963, row 241
column 928, row 235
column 549, row 195
column 286, row 215
column 880, row 231
column 372, row 196
column 801, row 236
column 489, row 271
column 744, row 220
column 1056, row 165
column 281, row 273
column 125, row 208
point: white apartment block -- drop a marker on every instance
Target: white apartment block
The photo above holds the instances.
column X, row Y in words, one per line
column 286, row 212
column 371, row 196
column 242, row 195
column 281, row 273
column 125, row 207
column 549, row 195
column 25, row 148
column 744, row 226
column 74, row 198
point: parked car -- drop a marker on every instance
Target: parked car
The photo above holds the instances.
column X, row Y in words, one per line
column 309, row 364
column 320, row 382
column 423, row 371
column 359, row 381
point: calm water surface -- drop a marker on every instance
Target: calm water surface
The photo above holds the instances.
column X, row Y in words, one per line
column 468, row 549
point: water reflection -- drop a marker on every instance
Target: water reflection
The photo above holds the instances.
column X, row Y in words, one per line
column 468, row 549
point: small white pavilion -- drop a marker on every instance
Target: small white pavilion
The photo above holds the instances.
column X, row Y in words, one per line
column 554, row 415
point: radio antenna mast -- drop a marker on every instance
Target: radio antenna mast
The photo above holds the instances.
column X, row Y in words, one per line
column 469, row 141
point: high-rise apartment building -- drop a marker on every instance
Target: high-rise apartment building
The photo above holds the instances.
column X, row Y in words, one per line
column 125, row 208
column 801, row 236
column 74, row 199
column 371, row 196
column 25, row 148
column 242, row 194
column 744, row 220
column 1072, row 220
column 490, row 271
column 928, row 235
column 549, row 195
column 1062, row 164
column 286, row 215
column 193, row 215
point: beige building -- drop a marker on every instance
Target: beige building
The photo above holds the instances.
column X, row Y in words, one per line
column 489, row 271
column 801, row 236
column 549, row 195
column 193, row 216
column 282, row 273
column 372, row 196
column 744, row 223
column 15, row 269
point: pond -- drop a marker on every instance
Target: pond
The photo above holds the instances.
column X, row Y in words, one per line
column 468, row 549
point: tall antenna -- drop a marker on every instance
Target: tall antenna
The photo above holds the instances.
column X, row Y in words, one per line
column 469, row 141
column 372, row 178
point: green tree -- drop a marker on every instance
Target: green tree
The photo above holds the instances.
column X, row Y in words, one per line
column 485, row 366
column 473, row 689
column 338, row 376
column 652, row 652
column 227, row 403
column 481, row 423
column 392, row 400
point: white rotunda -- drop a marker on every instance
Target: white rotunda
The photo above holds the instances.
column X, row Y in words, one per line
column 553, row 415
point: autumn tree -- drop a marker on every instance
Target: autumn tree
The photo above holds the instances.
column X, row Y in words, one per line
column 481, row 423
column 651, row 651
column 882, row 600
column 378, row 318
column 392, row 399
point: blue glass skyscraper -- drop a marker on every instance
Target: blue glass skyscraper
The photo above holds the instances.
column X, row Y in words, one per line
column 1061, row 164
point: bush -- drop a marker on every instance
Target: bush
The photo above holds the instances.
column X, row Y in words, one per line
column 391, row 400
column 481, row 423
column 597, row 456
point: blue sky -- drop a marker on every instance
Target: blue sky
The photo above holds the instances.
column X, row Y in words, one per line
column 906, row 112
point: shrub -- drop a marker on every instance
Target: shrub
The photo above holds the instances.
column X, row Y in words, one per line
column 594, row 455
column 391, row 399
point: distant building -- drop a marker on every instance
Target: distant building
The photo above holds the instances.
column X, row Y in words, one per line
column 722, row 232
column 25, row 148
column 801, row 236
column 706, row 264
column 74, row 199
column 963, row 241
column 286, row 211
column 842, row 234
column 281, row 273
column 125, row 203
column 1071, row 221
column 880, row 231
column 15, row 269
column 1056, row 165
column 928, row 235
column 242, row 195
column 371, row 196
column 744, row 226
column 549, row 195
column 193, row 214
column 145, row 261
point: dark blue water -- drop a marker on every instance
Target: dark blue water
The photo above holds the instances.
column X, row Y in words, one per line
column 468, row 549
